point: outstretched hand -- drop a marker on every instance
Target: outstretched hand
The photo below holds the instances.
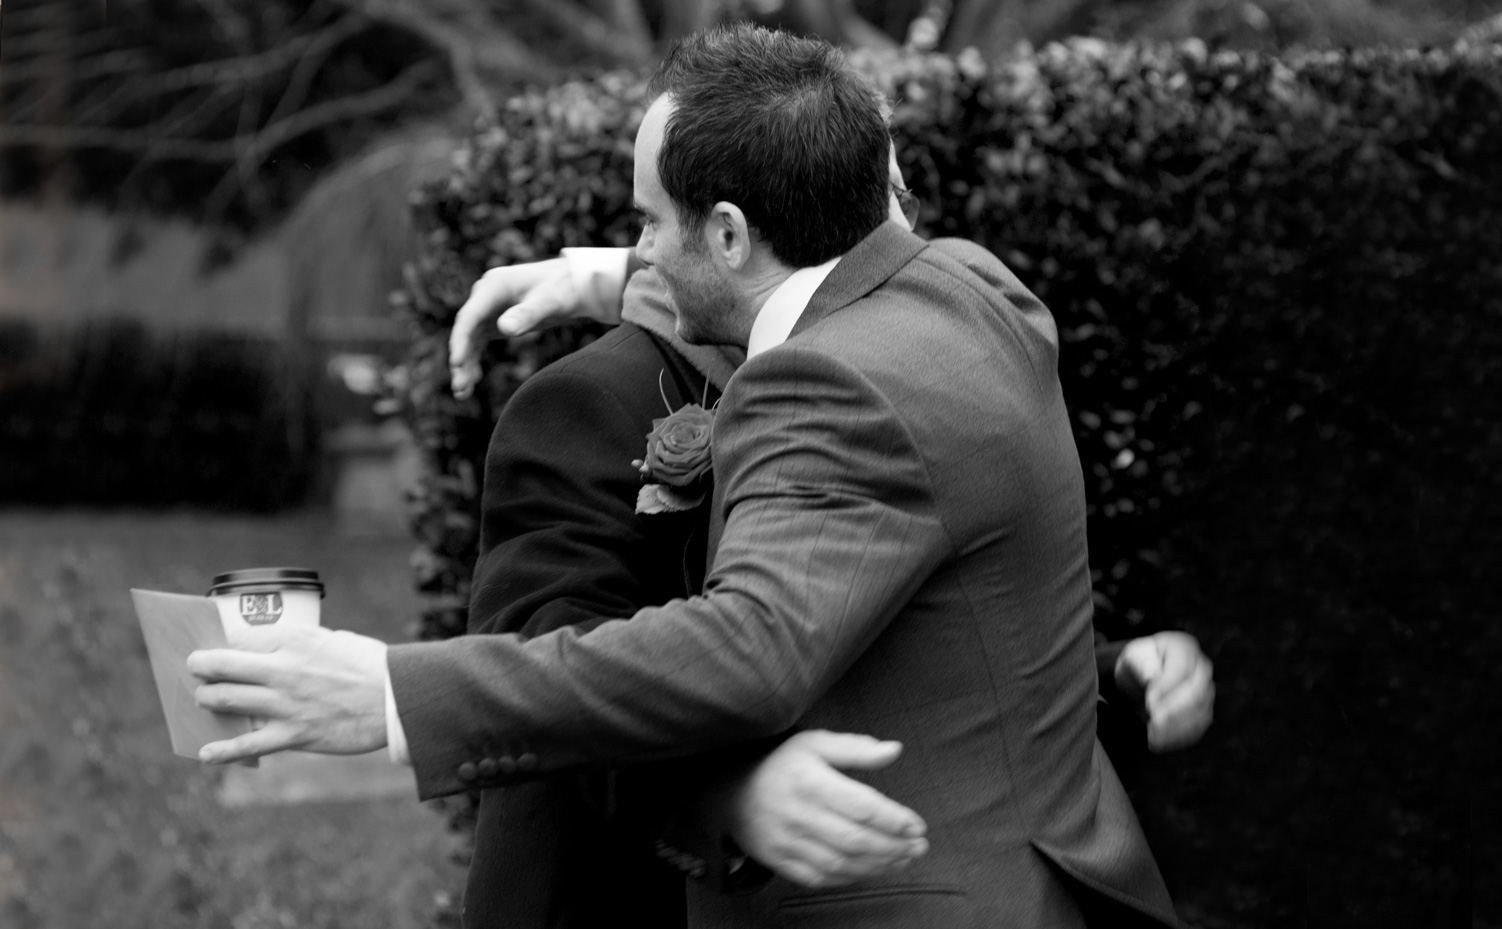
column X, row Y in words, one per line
column 799, row 816
column 314, row 689
column 1177, row 683
column 512, row 300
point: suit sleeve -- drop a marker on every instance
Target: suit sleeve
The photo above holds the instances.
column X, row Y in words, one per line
column 831, row 527
column 561, row 543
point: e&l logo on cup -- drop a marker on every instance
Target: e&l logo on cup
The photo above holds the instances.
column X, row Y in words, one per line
column 261, row 609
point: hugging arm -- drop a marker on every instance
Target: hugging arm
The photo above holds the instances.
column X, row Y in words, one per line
column 512, row 300
column 782, row 619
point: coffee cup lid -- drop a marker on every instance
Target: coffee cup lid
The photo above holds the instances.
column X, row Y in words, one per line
column 267, row 578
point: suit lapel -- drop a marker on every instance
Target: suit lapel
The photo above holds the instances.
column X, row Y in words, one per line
column 863, row 269
column 715, row 529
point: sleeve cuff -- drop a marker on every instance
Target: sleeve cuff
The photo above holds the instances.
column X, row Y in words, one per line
column 599, row 276
column 396, row 737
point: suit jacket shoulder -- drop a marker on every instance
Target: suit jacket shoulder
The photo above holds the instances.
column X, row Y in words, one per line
column 561, row 542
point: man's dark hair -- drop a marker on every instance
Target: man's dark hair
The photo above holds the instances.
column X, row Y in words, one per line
column 781, row 127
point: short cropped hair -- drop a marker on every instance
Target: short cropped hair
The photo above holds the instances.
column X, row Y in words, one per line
column 783, row 128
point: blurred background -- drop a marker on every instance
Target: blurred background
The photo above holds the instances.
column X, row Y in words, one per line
column 204, row 208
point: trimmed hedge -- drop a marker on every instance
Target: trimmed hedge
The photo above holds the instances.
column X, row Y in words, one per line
column 111, row 415
column 1279, row 287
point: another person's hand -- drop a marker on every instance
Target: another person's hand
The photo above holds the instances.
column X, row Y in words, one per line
column 507, row 301
column 315, row 689
column 1177, row 683
column 800, row 817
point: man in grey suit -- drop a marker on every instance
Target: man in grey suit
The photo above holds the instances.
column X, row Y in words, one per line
column 902, row 544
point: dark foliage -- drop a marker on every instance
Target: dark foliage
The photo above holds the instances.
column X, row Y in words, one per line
column 1279, row 289
column 107, row 415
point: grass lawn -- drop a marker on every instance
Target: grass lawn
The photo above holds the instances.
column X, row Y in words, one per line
column 100, row 824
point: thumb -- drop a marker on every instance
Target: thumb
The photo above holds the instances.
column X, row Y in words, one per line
column 1142, row 662
column 850, row 750
column 532, row 313
column 552, row 301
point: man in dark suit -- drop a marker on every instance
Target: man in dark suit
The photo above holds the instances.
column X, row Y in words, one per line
column 902, row 548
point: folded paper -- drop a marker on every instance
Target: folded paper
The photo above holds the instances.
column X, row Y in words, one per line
column 175, row 625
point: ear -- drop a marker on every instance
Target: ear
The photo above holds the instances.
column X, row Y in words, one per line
column 728, row 235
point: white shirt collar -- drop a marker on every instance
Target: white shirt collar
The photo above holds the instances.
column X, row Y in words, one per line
column 777, row 317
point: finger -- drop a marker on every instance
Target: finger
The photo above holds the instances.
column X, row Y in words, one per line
column 800, row 872
column 1142, row 662
column 496, row 288
column 464, row 362
column 462, row 379
column 1178, row 655
column 472, row 327
column 273, row 737
column 1184, row 692
column 1181, row 718
column 241, row 699
column 811, row 864
column 461, row 346
column 860, row 803
column 228, row 664
column 1193, row 672
column 861, row 867
column 832, row 865
column 848, row 749
column 847, row 836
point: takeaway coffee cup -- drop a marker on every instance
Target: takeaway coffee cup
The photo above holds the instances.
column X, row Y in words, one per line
column 262, row 596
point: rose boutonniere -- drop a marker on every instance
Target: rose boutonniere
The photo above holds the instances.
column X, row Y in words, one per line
column 678, row 460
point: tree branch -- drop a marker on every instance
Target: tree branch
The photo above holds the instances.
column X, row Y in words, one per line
column 389, row 95
column 597, row 34
column 123, row 61
column 630, row 24
column 249, row 67
column 473, row 44
column 13, row 135
column 249, row 157
column 220, row 150
column 225, row 72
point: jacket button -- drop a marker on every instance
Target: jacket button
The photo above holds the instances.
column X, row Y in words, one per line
column 467, row 773
column 487, row 768
column 508, row 764
column 527, row 762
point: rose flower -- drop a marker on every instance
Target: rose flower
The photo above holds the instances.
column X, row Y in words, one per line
column 678, row 447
